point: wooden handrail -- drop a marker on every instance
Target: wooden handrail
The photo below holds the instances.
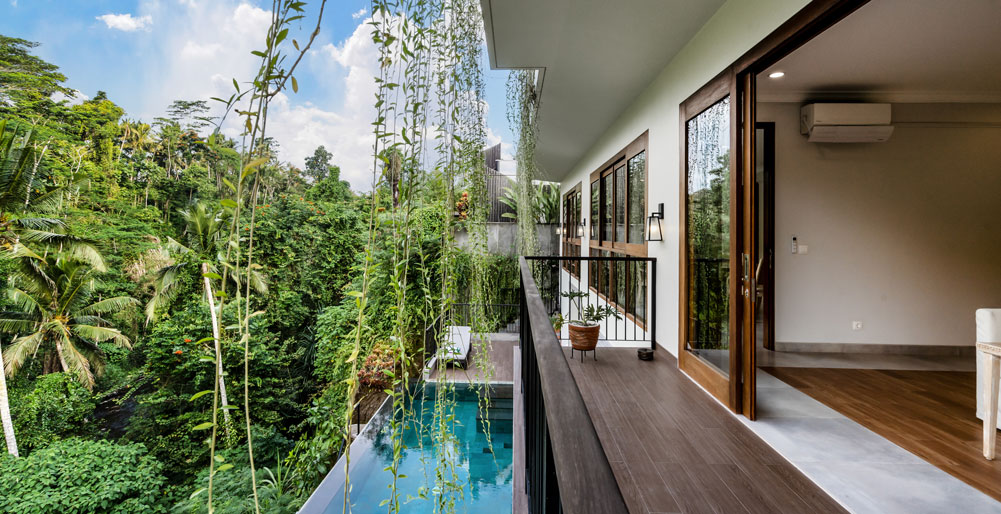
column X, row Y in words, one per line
column 585, row 479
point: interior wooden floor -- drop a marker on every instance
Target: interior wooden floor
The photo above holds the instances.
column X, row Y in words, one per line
column 674, row 449
column 932, row 414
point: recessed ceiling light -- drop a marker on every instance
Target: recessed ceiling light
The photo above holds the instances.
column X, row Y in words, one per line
column 776, row 75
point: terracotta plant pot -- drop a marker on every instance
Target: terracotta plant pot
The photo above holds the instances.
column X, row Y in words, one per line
column 584, row 338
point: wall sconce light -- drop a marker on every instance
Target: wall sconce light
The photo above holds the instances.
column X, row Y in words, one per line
column 653, row 228
column 580, row 228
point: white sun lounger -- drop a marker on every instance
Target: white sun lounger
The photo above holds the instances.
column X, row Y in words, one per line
column 456, row 345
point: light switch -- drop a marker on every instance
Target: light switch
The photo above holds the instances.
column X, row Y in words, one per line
column 803, row 249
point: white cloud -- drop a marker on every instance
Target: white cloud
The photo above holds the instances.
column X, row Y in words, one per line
column 360, row 14
column 126, row 22
column 198, row 48
column 78, row 98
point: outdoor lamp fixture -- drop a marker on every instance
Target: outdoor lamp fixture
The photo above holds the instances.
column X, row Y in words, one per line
column 653, row 229
column 580, row 228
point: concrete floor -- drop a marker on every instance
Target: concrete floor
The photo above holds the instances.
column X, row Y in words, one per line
column 863, row 471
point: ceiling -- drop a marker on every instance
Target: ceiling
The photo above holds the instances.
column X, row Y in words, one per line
column 898, row 51
column 595, row 57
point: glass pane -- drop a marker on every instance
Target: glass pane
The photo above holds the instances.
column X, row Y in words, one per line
column 708, row 142
column 594, row 208
column 620, row 204
column 577, row 213
column 606, row 214
column 639, row 293
column 620, row 282
column 606, row 275
column 637, row 197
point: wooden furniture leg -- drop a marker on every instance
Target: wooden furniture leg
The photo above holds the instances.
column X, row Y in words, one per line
column 991, row 404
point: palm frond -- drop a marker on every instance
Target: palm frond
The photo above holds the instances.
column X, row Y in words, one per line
column 36, row 223
column 101, row 334
column 87, row 253
column 23, row 301
column 77, row 362
column 17, row 326
column 109, row 305
column 176, row 247
column 18, row 352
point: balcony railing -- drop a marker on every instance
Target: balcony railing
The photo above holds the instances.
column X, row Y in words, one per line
column 626, row 283
column 566, row 469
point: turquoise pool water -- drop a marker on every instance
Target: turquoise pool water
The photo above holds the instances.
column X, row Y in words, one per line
column 482, row 469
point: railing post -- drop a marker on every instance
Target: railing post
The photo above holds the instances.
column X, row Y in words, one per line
column 653, row 305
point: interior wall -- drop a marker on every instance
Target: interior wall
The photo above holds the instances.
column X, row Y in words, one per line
column 904, row 236
column 736, row 27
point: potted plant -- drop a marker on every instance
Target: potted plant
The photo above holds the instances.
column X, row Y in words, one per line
column 584, row 331
column 558, row 322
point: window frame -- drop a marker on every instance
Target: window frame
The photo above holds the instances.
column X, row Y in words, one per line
column 599, row 246
column 572, row 215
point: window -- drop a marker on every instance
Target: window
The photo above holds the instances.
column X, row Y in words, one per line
column 618, row 214
column 571, row 239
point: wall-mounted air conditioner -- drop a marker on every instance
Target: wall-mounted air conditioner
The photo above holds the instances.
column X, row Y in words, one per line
column 846, row 123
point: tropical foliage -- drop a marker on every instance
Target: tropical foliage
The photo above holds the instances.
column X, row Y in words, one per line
column 204, row 347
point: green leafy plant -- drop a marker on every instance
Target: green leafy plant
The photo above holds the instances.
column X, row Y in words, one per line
column 56, row 407
column 77, row 476
column 589, row 315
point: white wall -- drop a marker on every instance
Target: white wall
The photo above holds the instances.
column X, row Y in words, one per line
column 904, row 236
column 733, row 30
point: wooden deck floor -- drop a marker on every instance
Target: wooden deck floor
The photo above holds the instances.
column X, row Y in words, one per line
column 674, row 449
column 501, row 355
column 931, row 414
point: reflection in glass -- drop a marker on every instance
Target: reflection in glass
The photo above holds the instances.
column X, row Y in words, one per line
column 606, row 214
column 637, row 197
column 620, row 204
column 594, row 209
column 708, row 158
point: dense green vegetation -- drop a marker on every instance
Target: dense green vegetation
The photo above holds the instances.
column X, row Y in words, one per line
column 105, row 224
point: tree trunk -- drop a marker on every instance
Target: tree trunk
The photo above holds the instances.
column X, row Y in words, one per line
column 218, row 348
column 8, row 424
column 62, row 360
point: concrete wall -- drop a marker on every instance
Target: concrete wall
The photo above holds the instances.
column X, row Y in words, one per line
column 502, row 239
column 904, row 236
column 734, row 29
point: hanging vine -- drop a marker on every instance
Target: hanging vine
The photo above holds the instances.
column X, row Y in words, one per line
column 429, row 134
column 241, row 277
column 522, row 115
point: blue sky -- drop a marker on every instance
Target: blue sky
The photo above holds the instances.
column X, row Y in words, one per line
column 147, row 53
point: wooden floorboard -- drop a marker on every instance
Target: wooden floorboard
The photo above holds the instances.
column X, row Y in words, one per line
column 674, row 449
column 500, row 347
column 932, row 414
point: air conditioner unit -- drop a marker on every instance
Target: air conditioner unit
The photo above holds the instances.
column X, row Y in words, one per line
column 846, row 123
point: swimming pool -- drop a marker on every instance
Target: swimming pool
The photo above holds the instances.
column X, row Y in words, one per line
column 481, row 468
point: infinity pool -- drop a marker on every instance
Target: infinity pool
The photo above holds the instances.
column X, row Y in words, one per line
column 480, row 468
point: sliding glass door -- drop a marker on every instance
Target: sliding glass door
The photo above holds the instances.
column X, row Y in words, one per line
column 710, row 305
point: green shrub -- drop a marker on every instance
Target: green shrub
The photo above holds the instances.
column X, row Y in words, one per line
column 77, row 476
column 57, row 407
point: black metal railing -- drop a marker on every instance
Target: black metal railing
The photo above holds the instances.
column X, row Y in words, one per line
column 566, row 469
column 497, row 317
column 627, row 283
column 710, row 295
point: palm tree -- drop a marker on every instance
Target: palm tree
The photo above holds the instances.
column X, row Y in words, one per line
column 56, row 316
column 203, row 236
column 21, row 190
column 5, row 420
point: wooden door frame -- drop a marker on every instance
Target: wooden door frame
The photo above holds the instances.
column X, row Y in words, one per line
column 768, row 237
column 719, row 384
column 737, row 391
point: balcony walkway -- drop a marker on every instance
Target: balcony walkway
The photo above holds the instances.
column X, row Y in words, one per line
column 673, row 449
